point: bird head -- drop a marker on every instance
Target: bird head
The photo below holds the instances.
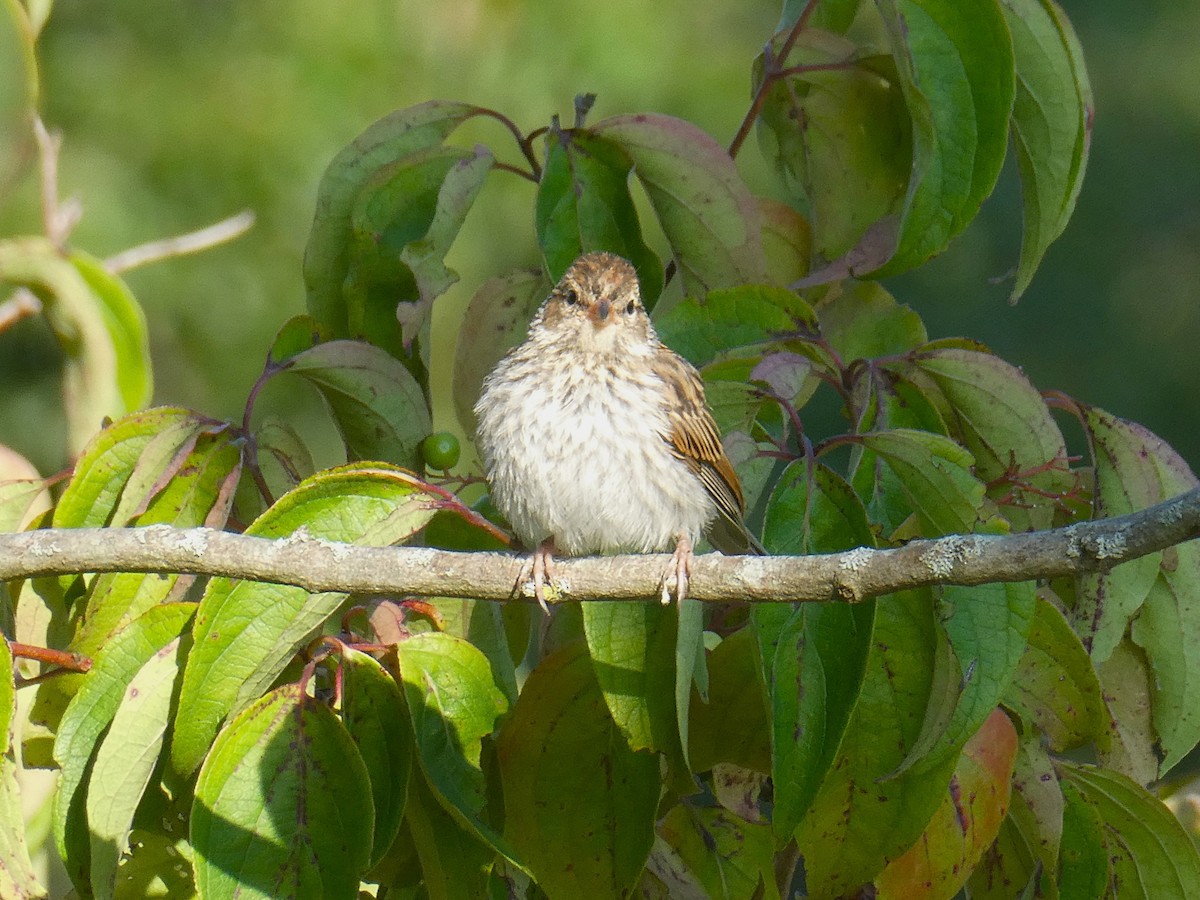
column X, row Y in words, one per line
column 597, row 306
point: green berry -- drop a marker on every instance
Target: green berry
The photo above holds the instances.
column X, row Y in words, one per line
column 441, row 450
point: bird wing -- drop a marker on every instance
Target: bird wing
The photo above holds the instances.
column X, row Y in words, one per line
column 694, row 437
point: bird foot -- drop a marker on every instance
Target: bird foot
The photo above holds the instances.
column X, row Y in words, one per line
column 540, row 571
column 679, row 570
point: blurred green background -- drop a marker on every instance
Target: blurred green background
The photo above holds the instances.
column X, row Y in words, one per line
column 178, row 114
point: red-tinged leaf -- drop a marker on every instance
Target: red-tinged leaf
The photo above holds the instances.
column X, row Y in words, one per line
column 707, row 213
column 283, row 804
column 579, row 804
column 965, row 824
column 787, row 241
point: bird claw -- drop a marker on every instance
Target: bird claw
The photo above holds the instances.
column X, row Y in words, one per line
column 541, row 573
column 679, row 571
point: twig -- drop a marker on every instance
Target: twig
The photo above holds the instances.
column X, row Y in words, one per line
column 181, row 245
column 771, row 74
column 59, row 219
column 851, row 576
column 64, row 659
column 22, row 304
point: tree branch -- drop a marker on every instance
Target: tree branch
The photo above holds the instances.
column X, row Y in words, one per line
column 851, row 576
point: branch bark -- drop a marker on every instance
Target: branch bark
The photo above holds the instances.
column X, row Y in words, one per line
column 851, row 576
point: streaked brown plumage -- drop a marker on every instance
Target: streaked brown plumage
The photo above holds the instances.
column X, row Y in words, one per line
column 597, row 438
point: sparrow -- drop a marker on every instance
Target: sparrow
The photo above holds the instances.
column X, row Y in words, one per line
column 597, row 438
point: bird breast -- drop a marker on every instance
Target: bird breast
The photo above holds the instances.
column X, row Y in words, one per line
column 578, row 454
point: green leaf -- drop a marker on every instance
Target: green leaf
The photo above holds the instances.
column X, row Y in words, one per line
column 787, row 241
column 127, row 330
column 404, row 219
column 1084, row 869
column 935, row 475
column 495, row 321
column 985, row 627
column 8, row 695
column 18, row 880
column 23, row 493
column 482, row 624
column 965, row 824
column 1002, row 419
column 707, row 213
column 632, row 651
column 453, row 703
column 327, row 257
column 813, row 510
column 125, row 761
column 297, row 334
column 108, row 462
column 1134, row 469
column 374, row 716
column 1051, row 124
column 1167, row 627
column 862, row 320
column 584, row 204
column 99, row 326
column 283, row 804
column 1153, row 855
column 579, row 804
column 732, row 726
column 955, row 63
column 838, row 134
column 1055, row 685
column 452, row 859
column 1131, row 746
column 714, row 853
column 860, row 819
column 245, row 631
column 734, row 319
column 199, row 492
column 91, row 711
column 379, row 407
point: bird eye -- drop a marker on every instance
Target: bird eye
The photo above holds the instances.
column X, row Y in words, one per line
column 571, row 297
column 631, row 308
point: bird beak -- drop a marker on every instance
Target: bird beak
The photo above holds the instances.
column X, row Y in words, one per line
column 600, row 313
